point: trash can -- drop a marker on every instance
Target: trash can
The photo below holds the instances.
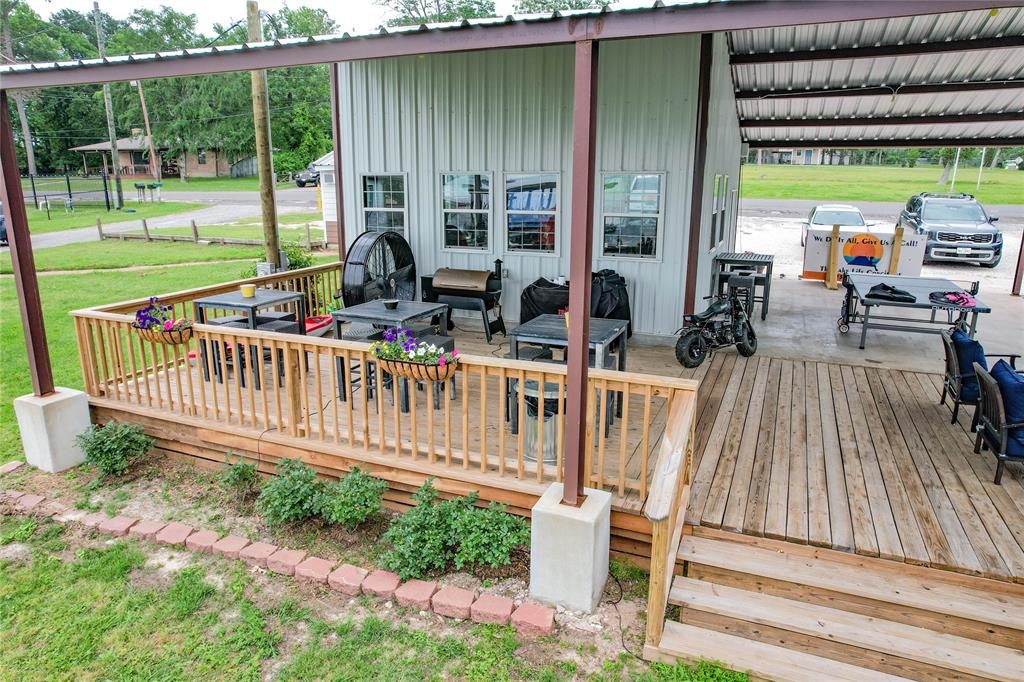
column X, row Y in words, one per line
column 543, row 411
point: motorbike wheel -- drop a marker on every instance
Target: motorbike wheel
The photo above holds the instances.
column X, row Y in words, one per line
column 691, row 350
column 747, row 344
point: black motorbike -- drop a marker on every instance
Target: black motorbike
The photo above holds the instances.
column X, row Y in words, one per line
column 724, row 323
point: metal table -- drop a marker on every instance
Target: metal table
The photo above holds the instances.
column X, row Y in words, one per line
column 233, row 300
column 760, row 263
column 374, row 313
column 858, row 285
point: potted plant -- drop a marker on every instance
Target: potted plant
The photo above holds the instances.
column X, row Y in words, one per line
column 399, row 354
column 157, row 323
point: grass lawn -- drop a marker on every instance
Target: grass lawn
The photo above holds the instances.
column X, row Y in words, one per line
column 874, row 183
column 216, row 185
column 121, row 254
column 85, row 215
column 242, row 231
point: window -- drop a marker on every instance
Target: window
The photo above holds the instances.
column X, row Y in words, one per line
column 466, row 210
column 631, row 214
column 201, row 157
column 719, row 209
column 384, row 203
column 531, row 210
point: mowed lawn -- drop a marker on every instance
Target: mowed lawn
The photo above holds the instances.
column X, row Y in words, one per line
column 85, row 215
column 122, row 254
column 874, row 183
column 216, row 185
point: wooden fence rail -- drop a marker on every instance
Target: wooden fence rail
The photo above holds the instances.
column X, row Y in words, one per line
column 195, row 238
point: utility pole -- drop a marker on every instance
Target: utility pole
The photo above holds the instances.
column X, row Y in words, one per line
column 109, row 106
column 264, row 160
column 19, row 100
column 980, row 167
column 154, row 163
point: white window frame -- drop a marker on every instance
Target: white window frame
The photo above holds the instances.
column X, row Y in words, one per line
column 489, row 212
column 660, row 215
column 363, row 207
column 558, row 214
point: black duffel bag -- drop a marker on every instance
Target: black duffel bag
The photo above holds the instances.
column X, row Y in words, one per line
column 609, row 298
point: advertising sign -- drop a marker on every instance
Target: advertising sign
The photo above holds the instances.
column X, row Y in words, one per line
column 861, row 251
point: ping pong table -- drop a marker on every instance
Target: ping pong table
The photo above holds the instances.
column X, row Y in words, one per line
column 941, row 315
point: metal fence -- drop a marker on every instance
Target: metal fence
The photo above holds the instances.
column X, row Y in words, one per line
column 66, row 190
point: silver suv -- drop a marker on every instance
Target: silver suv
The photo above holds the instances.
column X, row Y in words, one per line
column 957, row 228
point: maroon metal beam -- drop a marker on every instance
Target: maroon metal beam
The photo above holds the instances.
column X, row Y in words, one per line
column 581, row 236
column 339, row 188
column 685, row 19
column 1018, row 275
column 25, row 283
column 700, row 154
column 876, row 51
column 882, row 90
column 903, row 143
column 879, row 120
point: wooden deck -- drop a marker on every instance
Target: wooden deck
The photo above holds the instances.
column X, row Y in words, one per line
column 854, row 458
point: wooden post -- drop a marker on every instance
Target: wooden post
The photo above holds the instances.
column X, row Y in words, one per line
column 99, row 227
column 832, row 269
column 23, row 263
column 309, row 238
column 339, row 175
column 195, row 232
column 264, row 159
column 108, row 105
column 584, row 130
column 897, row 246
column 145, row 230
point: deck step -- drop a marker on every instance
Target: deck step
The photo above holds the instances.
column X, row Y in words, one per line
column 902, row 585
column 763, row 660
column 941, row 650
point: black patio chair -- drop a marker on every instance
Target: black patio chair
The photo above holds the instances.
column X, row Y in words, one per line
column 961, row 386
column 994, row 433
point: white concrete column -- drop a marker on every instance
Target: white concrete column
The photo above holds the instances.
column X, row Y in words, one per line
column 49, row 425
column 569, row 549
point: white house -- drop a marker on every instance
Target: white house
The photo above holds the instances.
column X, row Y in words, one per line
column 469, row 156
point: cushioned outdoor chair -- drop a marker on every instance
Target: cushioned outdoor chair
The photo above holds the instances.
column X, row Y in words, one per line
column 1004, row 438
column 959, row 380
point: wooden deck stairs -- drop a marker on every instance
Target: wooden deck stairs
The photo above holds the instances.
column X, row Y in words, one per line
column 784, row 611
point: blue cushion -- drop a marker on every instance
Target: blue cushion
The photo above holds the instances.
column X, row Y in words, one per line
column 968, row 351
column 1011, row 388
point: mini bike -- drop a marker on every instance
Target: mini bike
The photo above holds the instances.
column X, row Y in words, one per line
column 724, row 323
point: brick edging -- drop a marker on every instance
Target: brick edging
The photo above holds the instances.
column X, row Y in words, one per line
column 528, row 617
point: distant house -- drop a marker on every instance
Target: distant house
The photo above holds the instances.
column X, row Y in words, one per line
column 133, row 159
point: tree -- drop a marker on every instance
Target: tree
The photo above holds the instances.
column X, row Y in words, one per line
column 411, row 12
column 543, row 6
column 947, row 157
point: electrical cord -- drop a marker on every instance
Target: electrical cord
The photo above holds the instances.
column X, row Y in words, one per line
column 615, row 604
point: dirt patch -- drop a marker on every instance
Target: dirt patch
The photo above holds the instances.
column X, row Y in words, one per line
column 16, row 552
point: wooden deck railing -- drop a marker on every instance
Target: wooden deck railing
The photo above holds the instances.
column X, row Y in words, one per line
column 314, row 389
column 666, row 509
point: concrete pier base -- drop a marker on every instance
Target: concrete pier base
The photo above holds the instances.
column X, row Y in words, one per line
column 49, row 425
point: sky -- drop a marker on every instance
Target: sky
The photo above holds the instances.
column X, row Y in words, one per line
column 359, row 16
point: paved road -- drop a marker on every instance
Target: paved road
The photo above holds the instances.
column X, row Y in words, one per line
column 882, row 211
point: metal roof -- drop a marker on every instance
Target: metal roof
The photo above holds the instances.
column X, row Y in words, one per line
column 761, row 69
column 137, row 143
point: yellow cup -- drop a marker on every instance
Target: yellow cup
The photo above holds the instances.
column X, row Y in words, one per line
column 248, row 290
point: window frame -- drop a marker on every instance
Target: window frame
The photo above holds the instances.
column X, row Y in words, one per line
column 557, row 215
column 489, row 212
column 201, row 157
column 660, row 215
column 363, row 208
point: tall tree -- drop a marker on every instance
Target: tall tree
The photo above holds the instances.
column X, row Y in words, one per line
column 434, row 11
column 542, row 6
column 7, row 45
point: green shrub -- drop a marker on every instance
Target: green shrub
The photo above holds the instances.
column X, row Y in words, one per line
column 486, row 537
column 293, row 495
column 433, row 534
column 114, row 447
column 240, row 477
column 298, row 255
column 353, row 499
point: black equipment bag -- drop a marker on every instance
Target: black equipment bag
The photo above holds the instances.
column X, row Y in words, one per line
column 609, row 298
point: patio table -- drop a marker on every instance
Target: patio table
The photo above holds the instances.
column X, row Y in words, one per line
column 233, row 300
column 859, row 284
column 760, row 263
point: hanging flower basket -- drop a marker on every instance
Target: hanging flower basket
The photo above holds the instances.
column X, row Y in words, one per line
column 399, row 354
column 156, row 323
column 417, row 371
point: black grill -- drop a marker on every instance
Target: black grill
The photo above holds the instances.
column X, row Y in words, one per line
column 976, row 238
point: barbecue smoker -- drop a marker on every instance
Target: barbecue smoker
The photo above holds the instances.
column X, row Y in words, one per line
column 478, row 290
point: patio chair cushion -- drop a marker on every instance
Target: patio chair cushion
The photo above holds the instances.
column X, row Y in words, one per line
column 968, row 352
column 1011, row 388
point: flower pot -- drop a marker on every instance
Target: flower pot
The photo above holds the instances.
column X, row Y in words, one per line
column 173, row 337
column 417, row 371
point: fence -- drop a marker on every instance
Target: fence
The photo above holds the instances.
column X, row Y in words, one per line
column 196, row 238
column 66, row 190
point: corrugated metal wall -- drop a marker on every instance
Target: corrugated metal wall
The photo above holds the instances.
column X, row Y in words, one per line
column 511, row 111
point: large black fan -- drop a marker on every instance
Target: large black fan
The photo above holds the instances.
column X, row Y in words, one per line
column 378, row 265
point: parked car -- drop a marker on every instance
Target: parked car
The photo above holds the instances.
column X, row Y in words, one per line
column 957, row 228
column 827, row 215
column 310, row 176
column 3, row 227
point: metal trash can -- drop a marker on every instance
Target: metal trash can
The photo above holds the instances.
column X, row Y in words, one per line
column 544, row 412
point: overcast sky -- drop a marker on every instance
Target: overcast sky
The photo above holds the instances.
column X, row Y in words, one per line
column 351, row 15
